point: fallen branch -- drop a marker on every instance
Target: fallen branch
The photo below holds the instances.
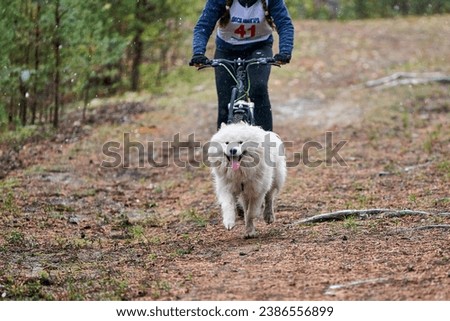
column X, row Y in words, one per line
column 405, row 213
column 362, row 214
column 333, row 288
column 422, row 228
column 411, row 168
column 341, row 215
column 408, row 78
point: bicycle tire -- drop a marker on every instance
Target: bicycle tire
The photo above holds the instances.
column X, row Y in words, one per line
column 234, row 92
column 237, row 118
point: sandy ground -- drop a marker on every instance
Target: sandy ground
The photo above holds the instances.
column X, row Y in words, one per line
column 74, row 230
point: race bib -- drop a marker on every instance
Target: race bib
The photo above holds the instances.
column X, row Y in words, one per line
column 247, row 25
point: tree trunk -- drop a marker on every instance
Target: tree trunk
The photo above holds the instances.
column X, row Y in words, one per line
column 142, row 9
column 85, row 100
column 11, row 111
column 361, row 9
column 23, row 89
column 57, row 53
column 37, row 35
column 137, row 47
column 403, row 7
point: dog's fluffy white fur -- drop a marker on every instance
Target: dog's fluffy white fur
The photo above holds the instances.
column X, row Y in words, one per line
column 249, row 169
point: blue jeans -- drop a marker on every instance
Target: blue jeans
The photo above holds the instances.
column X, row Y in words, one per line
column 259, row 78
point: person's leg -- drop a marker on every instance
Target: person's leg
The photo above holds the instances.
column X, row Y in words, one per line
column 259, row 91
column 224, row 83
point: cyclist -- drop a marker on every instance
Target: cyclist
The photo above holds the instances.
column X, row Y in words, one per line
column 244, row 31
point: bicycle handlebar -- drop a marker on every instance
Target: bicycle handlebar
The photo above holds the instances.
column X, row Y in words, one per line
column 239, row 62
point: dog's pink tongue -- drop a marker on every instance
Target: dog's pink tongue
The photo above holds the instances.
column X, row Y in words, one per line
column 235, row 165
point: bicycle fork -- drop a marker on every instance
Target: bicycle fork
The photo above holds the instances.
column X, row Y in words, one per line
column 231, row 105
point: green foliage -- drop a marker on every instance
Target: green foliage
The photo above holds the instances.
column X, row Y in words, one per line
column 3, row 117
column 56, row 52
column 89, row 45
column 21, row 134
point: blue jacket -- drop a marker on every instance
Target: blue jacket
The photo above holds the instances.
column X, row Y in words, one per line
column 214, row 10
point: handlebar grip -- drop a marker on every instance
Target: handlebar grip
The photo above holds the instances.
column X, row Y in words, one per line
column 270, row 60
column 206, row 64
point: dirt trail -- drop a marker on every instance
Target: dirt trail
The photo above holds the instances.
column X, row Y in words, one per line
column 74, row 230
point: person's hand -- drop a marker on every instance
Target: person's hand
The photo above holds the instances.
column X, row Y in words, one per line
column 282, row 58
column 198, row 60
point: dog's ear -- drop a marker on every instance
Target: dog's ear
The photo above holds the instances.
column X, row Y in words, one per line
column 223, row 125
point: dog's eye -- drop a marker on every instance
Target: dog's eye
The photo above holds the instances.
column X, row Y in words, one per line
column 226, row 143
column 241, row 142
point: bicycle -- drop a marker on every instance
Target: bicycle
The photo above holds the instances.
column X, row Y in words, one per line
column 240, row 107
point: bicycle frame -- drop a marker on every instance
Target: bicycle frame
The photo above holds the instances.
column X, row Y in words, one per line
column 240, row 107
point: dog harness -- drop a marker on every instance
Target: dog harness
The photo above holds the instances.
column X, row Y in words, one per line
column 247, row 25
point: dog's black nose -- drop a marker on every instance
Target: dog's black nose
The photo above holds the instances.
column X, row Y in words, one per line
column 233, row 151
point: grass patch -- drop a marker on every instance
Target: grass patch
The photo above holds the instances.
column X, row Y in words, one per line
column 192, row 216
column 21, row 134
column 137, row 232
column 85, row 193
column 8, row 184
column 444, row 168
column 350, row 223
column 8, row 201
column 15, row 237
column 32, row 289
column 432, row 140
column 159, row 288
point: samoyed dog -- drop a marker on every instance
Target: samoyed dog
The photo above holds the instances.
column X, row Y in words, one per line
column 249, row 169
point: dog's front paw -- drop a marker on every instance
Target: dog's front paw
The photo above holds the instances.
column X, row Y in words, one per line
column 269, row 217
column 229, row 224
column 250, row 233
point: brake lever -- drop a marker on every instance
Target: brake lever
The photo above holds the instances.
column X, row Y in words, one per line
column 271, row 61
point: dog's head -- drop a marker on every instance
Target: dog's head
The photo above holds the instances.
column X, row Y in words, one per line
column 234, row 152
column 235, row 146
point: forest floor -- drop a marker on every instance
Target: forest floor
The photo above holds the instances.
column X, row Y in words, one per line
column 72, row 229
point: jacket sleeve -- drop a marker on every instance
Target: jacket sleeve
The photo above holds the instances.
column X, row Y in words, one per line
column 285, row 28
column 213, row 10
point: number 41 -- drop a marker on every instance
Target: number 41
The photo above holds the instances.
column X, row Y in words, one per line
column 241, row 31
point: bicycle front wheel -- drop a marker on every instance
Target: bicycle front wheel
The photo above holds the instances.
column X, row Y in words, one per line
column 237, row 118
column 234, row 92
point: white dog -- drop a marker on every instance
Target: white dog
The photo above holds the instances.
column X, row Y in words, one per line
column 249, row 168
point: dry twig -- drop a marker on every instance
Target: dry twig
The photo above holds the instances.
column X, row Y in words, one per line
column 422, row 228
column 332, row 289
column 408, row 78
column 362, row 214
